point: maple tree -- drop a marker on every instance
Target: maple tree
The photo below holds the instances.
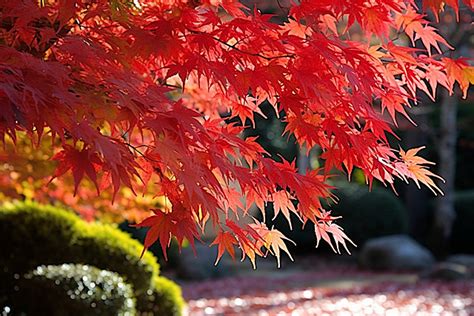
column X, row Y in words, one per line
column 136, row 98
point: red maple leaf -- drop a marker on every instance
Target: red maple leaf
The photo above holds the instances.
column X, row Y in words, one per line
column 155, row 98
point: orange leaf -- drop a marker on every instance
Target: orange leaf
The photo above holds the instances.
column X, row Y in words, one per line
column 274, row 241
column 283, row 203
column 418, row 171
column 225, row 241
column 460, row 71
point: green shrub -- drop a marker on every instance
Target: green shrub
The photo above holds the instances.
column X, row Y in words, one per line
column 108, row 248
column 365, row 215
column 71, row 289
column 33, row 235
column 164, row 298
column 462, row 240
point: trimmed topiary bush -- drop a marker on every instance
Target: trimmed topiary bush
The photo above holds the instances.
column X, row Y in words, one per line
column 367, row 215
column 462, row 240
column 32, row 235
column 164, row 298
column 118, row 252
column 71, row 289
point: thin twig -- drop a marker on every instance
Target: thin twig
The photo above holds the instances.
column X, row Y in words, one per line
column 234, row 47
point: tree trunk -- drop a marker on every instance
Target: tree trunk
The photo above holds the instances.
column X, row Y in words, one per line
column 444, row 212
column 302, row 161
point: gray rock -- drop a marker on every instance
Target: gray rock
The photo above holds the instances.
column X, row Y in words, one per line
column 201, row 266
column 463, row 259
column 395, row 252
column 447, row 271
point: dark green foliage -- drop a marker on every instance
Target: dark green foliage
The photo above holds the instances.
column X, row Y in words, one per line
column 71, row 289
column 106, row 247
column 365, row 215
column 462, row 239
column 32, row 235
column 163, row 299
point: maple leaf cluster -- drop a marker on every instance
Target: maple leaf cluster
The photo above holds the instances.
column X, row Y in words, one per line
column 156, row 94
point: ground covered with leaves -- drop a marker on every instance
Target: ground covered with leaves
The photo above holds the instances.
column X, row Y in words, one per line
column 334, row 292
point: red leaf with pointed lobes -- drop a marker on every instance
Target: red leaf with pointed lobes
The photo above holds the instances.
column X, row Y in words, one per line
column 81, row 162
column 283, row 202
column 160, row 228
column 225, row 241
column 437, row 6
column 430, row 38
column 458, row 70
column 145, row 96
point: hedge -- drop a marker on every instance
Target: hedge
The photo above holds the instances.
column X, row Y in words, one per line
column 33, row 235
column 369, row 214
column 71, row 289
column 164, row 298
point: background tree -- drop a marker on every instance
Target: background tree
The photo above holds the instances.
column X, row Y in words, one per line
column 159, row 92
column 445, row 212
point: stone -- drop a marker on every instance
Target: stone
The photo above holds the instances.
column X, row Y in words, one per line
column 395, row 252
column 447, row 271
column 463, row 259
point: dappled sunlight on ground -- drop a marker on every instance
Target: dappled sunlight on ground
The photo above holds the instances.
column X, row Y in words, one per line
column 349, row 293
